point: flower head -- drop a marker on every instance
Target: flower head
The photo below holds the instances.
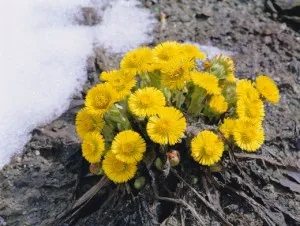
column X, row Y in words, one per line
column 251, row 109
column 128, row 146
column 267, row 88
column 218, row 104
column 100, row 98
column 146, row 102
column 207, row 148
column 192, row 52
column 248, row 134
column 207, row 81
column 227, row 127
column 176, row 73
column 222, row 66
column 245, row 90
column 121, row 81
column 167, row 127
column 166, row 51
column 116, row 170
column 92, row 147
column 138, row 61
column 87, row 121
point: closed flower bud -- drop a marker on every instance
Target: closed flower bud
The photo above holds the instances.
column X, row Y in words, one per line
column 174, row 157
column 95, row 168
column 139, row 182
column 158, row 164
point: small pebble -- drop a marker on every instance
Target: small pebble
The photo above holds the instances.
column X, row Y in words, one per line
column 37, row 153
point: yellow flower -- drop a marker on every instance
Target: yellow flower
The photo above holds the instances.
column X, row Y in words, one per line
column 218, row 104
column 176, row 73
column 100, row 98
column 146, row 102
column 223, row 67
column 227, row 127
column 122, row 82
column 267, row 88
column 251, row 109
column 138, row 61
column 87, row 121
column 128, row 146
column 248, row 134
column 166, row 51
column 92, row 147
column 167, row 127
column 207, row 148
column 116, row 170
column 192, row 52
column 207, row 81
column 245, row 90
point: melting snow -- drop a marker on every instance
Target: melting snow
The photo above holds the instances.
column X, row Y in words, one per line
column 43, row 56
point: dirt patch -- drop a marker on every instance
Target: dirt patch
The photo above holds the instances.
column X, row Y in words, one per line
column 40, row 185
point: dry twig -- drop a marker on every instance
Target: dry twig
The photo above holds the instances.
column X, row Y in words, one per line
column 210, row 206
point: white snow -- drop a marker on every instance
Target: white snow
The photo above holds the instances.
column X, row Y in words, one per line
column 127, row 24
column 43, row 56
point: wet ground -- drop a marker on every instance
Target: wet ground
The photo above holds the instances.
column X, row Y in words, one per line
column 43, row 182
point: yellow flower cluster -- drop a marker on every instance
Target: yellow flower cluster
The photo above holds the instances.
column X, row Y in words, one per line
column 245, row 127
column 148, row 103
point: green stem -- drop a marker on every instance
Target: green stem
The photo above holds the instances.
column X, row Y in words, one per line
column 197, row 99
column 178, row 98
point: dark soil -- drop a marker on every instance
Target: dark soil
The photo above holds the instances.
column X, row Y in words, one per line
column 40, row 186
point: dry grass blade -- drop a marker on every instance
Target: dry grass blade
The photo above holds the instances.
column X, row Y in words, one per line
column 210, row 206
column 177, row 201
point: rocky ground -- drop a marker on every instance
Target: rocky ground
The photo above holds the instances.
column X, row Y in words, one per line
column 41, row 185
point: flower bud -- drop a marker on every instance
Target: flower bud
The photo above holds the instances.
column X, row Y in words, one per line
column 216, row 168
column 95, row 168
column 194, row 180
column 139, row 182
column 158, row 164
column 174, row 157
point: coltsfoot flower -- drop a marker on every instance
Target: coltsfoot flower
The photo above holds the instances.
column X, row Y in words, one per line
column 166, row 51
column 176, row 73
column 87, row 121
column 227, row 127
column 121, row 81
column 207, row 81
column 207, row 148
column 100, row 98
column 138, row 61
column 146, row 102
column 267, row 88
column 116, row 170
column 128, row 146
column 93, row 147
column 248, row 134
column 250, row 109
column 192, row 52
column 167, row 127
column 218, row 104
column 222, row 66
column 246, row 90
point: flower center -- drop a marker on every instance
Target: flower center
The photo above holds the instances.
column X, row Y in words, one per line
column 145, row 100
column 164, row 126
column 246, row 135
column 118, row 166
column 101, row 101
column 127, row 147
column 209, row 150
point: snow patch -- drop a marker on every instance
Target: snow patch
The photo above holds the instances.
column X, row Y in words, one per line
column 125, row 26
column 43, row 58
